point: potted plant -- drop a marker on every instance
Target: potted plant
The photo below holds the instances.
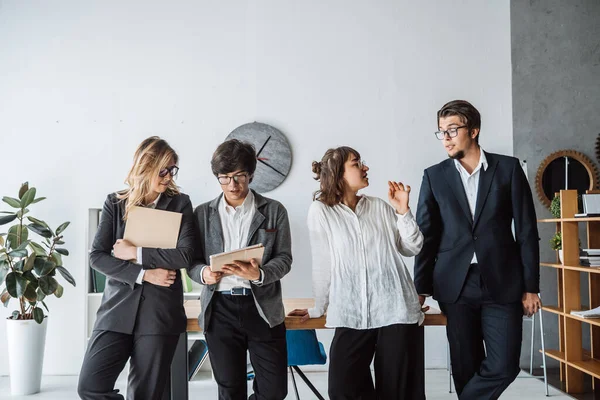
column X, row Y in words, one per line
column 555, row 207
column 556, row 244
column 28, row 272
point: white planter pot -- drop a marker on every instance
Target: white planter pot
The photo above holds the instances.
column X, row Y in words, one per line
column 560, row 257
column 26, row 344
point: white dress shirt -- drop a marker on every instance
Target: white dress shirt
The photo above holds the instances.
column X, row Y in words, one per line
column 471, row 185
column 359, row 277
column 140, row 278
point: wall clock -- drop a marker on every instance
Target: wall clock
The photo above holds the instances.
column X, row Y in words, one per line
column 273, row 154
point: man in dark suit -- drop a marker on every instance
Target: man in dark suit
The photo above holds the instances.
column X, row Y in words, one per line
column 483, row 277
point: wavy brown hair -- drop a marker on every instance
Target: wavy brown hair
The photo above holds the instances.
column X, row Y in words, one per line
column 152, row 155
column 330, row 172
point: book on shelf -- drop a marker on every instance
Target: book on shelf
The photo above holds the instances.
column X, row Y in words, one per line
column 186, row 281
column 98, row 280
column 593, row 313
column 591, row 203
column 197, row 355
column 590, row 253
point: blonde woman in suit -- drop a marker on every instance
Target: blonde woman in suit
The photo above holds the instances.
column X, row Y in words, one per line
column 141, row 314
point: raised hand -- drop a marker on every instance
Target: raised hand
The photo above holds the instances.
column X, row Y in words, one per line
column 398, row 196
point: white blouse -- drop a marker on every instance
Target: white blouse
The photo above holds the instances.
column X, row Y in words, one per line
column 359, row 278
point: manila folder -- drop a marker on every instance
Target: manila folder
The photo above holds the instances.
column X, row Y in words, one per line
column 147, row 227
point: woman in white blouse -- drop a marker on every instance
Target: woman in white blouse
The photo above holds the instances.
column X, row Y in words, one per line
column 361, row 282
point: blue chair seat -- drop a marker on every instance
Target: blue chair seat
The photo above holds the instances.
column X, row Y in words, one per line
column 303, row 348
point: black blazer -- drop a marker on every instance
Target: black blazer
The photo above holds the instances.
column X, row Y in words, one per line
column 126, row 306
column 508, row 267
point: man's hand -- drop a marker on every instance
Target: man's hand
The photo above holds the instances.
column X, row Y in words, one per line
column 124, row 250
column 300, row 312
column 210, row 277
column 422, row 301
column 249, row 271
column 160, row 277
column 531, row 303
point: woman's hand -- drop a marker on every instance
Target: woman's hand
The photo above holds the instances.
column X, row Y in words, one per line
column 124, row 250
column 398, row 196
column 300, row 312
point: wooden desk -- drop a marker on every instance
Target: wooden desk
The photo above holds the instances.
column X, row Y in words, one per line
column 178, row 385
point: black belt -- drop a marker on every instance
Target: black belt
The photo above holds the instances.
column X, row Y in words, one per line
column 237, row 291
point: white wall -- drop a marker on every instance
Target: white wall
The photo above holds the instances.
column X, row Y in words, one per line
column 83, row 82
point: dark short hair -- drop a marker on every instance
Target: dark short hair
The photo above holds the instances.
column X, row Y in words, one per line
column 330, row 172
column 233, row 155
column 465, row 110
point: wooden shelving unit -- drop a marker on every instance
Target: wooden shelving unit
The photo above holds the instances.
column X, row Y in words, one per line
column 575, row 361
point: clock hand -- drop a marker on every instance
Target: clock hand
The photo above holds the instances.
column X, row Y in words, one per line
column 280, row 173
column 262, row 158
column 263, row 146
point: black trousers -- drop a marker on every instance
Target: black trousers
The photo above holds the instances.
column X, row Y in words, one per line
column 106, row 356
column 235, row 328
column 397, row 375
column 474, row 319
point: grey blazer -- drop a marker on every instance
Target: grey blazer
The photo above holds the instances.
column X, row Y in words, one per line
column 147, row 309
column 270, row 226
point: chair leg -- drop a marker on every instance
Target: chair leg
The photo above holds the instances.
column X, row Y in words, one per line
column 308, row 382
column 294, row 381
column 543, row 351
column 532, row 345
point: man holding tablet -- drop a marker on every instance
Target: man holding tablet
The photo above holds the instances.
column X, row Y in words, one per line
column 242, row 307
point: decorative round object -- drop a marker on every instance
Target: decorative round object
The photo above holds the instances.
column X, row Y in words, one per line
column 273, row 154
column 565, row 169
column 598, row 148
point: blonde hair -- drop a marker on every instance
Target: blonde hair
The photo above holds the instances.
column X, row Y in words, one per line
column 151, row 156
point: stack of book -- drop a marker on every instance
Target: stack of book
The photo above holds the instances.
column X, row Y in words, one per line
column 593, row 313
column 589, row 257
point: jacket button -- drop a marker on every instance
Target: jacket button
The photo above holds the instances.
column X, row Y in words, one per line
column 142, row 298
column 474, row 237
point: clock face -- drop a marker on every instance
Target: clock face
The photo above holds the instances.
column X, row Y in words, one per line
column 273, row 154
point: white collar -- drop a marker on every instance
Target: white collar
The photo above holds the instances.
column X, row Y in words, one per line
column 242, row 208
column 483, row 162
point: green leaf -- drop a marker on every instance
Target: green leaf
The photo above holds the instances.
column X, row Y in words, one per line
column 64, row 252
column 40, row 295
column 29, row 263
column 62, row 227
column 23, row 189
column 39, row 250
column 19, row 265
column 18, row 253
column 23, row 245
column 59, row 291
column 1, row 241
column 22, row 212
column 11, row 201
column 40, row 230
column 43, row 267
column 38, row 315
column 13, row 235
column 60, row 242
column 15, row 284
column 5, row 297
column 48, row 285
column 38, row 200
column 66, row 274
column 29, row 293
column 15, row 315
column 38, row 221
column 31, row 278
column 7, row 218
column 28, row 197
column 57, row 258
column 44, row 304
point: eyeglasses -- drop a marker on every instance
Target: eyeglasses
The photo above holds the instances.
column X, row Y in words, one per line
column 452, row 132
column 239, row 178
column 361, row 164
column 172, row 170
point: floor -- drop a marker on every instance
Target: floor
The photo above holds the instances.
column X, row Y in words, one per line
column 64, row 388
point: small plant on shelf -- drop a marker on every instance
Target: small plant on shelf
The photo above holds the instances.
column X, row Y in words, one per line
column 556, row 241
column 555, row 207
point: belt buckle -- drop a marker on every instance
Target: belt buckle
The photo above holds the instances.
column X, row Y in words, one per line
column 238, row 291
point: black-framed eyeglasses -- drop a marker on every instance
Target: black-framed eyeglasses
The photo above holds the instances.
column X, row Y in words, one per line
column 238, row 178
column 172, row 170
column 452, row 132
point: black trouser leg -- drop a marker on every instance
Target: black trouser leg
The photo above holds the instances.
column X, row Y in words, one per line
column 350, row 359
column 397, row 357
column 105, row 358
column 150, row 366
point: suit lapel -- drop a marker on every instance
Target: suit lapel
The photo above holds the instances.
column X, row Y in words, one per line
column 216, row 230
column 258, row 217
column 485, row 181
column 455, row 183
column 163, row 202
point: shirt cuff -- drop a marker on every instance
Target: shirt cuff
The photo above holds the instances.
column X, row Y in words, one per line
column 202, row 275
column 139, row 256
column 314, row 313
column 140, row 278
column 261, row 279
column 424, row 294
